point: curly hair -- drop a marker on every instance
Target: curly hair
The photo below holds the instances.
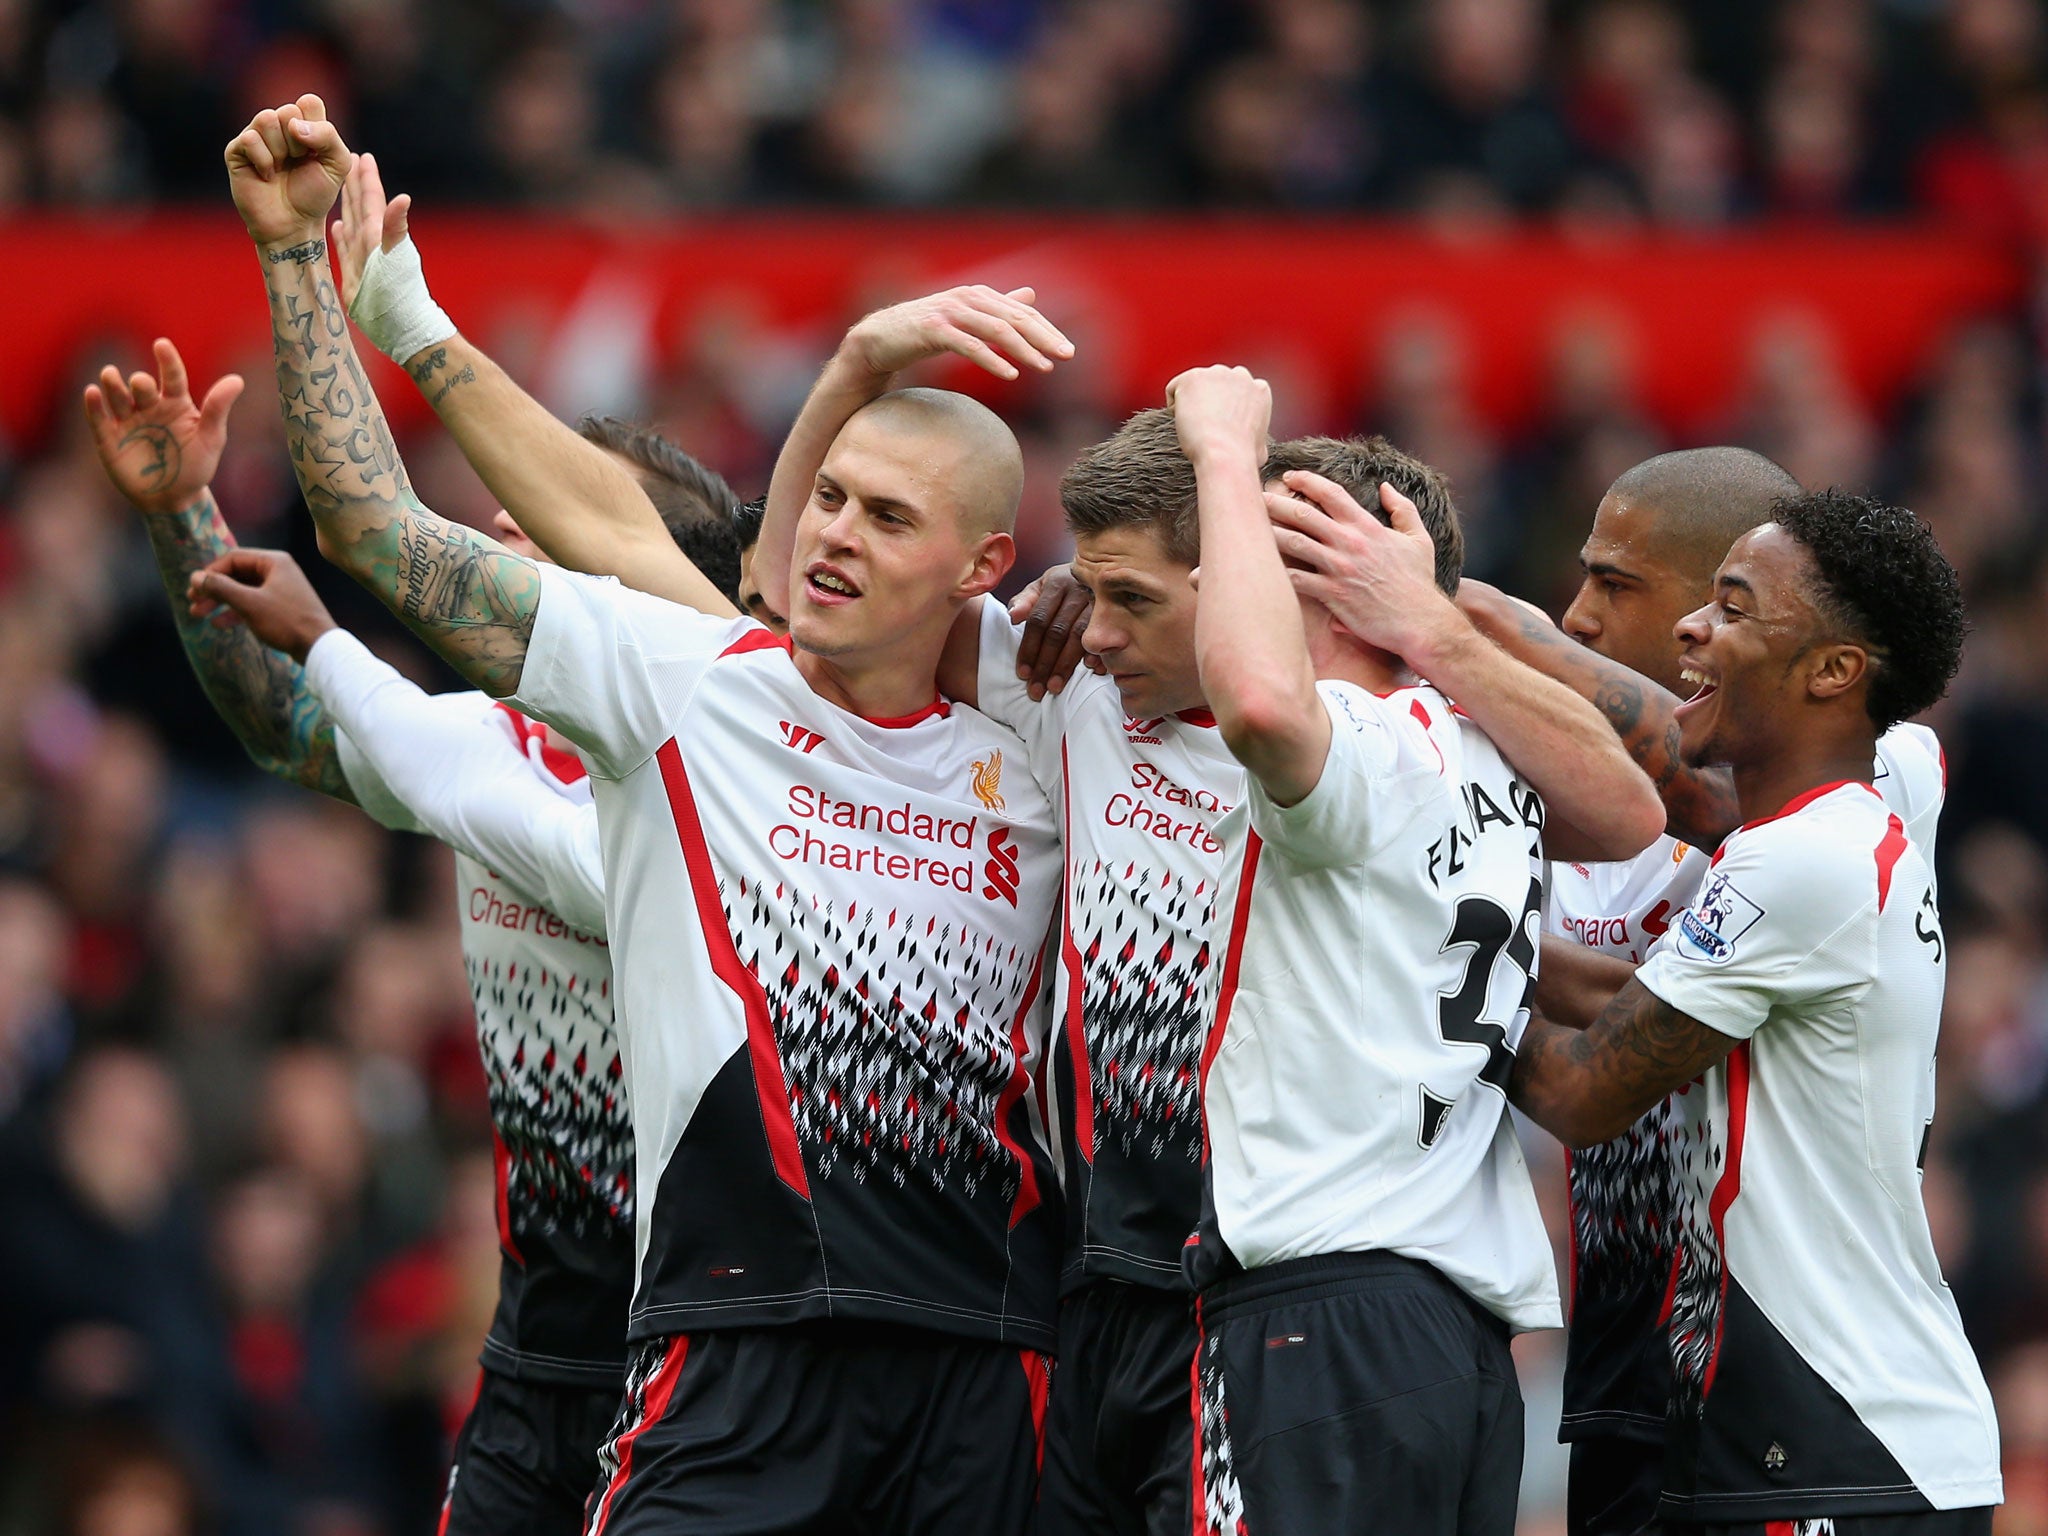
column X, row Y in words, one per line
column 695, row 503
column 1884, row 582
column 1360, row 465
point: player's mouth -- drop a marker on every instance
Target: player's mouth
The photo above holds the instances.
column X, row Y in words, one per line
column 1704, row 688
column 828, row 586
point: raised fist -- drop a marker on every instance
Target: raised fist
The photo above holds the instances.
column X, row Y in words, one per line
column 996, row 331
column 285, row 170
column 1221, row 408
column 159, row 446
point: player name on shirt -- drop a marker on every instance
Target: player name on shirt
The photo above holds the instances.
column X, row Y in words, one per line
column 1819, row 1363
column 1404, row 891
column 1625, row 1193
column 1139, row 801
column 828, row 935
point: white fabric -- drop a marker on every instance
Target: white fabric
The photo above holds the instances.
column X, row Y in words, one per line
column 1816, row 942
column 449, row 765
column 826, row 835
column 1139, row 802
column 393, row 307
column 1341, row 1115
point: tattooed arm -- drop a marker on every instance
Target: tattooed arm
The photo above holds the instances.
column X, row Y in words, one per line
column 1699, row 803
column 160, row 450
column 1588, row 1086
column 462, row 592
column 1574, row 983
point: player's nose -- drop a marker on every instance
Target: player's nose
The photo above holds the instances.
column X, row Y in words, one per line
column 1697, row 627
column 1580, row 621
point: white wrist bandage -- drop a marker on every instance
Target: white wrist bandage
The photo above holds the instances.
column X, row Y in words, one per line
column 393, row 307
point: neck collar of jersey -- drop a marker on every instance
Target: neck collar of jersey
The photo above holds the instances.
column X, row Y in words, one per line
column 1801, row 801
column 939, row 708
column 1201, row 717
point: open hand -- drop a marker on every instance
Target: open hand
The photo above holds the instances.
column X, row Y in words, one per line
column 1379, row 579
column 368, row 222
column 157, row 445
column 265, row 589
column 285, row 170
column 996, row 331
column 1221, row 410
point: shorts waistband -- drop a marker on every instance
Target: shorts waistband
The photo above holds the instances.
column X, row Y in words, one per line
column 1329, row 1274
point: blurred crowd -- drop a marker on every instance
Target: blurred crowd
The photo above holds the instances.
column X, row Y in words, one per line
column 1689, row 113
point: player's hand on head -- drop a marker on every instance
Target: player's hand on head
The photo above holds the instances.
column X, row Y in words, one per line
column 285, row 170
column 1054, row 610
column 1221, row 409
column 369, row 222
column 1379, row 579
column 265, row 589
column 1001, row 332
column 157, row 444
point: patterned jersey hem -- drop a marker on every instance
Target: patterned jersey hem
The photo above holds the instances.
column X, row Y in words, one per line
column 1116, row 1264
column 1611, row 1424
column 822, row 1305
column 501, row 1359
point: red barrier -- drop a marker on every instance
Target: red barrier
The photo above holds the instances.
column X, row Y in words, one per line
column 1313, row 302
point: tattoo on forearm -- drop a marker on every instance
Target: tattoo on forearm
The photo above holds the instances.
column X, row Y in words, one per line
column 427, row 364
column 311, row 250
column 469, row 598
column 1636, row 1052
column 1700, row 802
column 455, row 381
column 260, row 693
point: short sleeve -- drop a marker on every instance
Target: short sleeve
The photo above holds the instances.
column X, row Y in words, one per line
column 1767, row 930
column 1912, row 776
column 611, row 668
column 1380, row 771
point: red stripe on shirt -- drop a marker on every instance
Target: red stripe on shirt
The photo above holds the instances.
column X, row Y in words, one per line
column 771, row 1088
column 501, row 1177
column 660, row 1388
column 1070, row 962
column 1233, row 955
column 566, row 766
column 1890, row 849
column 1013, row 1094
column 1726, row 1188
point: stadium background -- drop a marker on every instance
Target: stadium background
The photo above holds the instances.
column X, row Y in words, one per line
column 246, row 1232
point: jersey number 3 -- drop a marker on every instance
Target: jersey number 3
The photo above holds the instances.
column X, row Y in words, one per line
column 1489, row 929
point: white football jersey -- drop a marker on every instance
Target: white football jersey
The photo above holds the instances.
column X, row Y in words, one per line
column 1378, row 941
column 1820, row 1365
column 1624, row 1193
column 530, row 889
column 828, row 937
column 1139, row 803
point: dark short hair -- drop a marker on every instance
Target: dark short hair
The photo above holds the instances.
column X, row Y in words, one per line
column 1883, row 582
column 1361, row 465
column 1137, row 478
column 746, row 522
column 695, row 503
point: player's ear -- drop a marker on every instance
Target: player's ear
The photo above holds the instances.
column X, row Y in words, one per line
column 991, row 559
column 1834, row 670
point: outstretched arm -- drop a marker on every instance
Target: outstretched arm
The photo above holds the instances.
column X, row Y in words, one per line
column 1586, row 1086
column 462, row 592
column 1699, row 803
column 160, row 449
column 996, row 331
column 567, row 494
column 1380, row 582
